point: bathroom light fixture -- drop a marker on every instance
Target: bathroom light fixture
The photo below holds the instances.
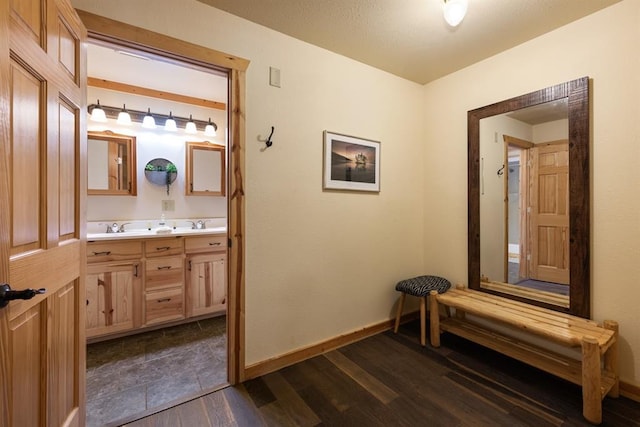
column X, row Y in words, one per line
column 123, row 117
column 190, row 127
column 170, row 124
column 148, row 121
column 454, row 11
column 98, row 114
column 210, row 128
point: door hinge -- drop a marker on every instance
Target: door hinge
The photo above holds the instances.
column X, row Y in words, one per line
column 229, row 242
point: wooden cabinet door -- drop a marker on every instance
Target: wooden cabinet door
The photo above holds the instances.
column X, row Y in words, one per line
column 112, row 293
column 206, row 283
column 42, row 196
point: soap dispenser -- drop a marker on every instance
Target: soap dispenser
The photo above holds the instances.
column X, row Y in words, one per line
column 162, row 221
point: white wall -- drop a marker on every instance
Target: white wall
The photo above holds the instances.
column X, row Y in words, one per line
column 318, row 264
column 603, row 46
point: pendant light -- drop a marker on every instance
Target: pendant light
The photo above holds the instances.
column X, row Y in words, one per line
column 123, row 117
column 170, row 124
column 210, row 128
column 148, row 122
column 190, row 127
column 454, row 11
column 98, row 114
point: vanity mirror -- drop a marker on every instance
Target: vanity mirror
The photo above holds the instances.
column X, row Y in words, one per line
column 111, row 164
column 205, row 164
column 528, row 198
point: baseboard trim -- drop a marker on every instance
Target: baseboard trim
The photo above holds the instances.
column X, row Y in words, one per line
column 630, row 391
column 287, row 359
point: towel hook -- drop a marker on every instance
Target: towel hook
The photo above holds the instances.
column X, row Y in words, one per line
column 269, row 142
column 501, row 171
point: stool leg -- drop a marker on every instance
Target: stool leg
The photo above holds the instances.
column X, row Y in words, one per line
column 591, row 391
column 434, row 319
column 423, row 317
column 399, row 312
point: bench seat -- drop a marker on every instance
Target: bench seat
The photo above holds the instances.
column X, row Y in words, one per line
column 596, row 369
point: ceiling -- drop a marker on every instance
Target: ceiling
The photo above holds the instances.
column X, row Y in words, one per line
column 409, row 38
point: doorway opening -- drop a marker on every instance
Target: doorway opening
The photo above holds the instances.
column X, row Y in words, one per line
column 233, row 370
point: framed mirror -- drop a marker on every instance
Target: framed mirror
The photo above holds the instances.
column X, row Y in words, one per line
column 111, row 163
column 528, row 198
column 205, row 165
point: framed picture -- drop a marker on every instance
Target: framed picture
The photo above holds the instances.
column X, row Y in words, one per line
column 351, row 163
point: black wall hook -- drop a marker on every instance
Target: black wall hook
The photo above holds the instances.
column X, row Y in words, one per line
column 269, row 142
column 501, row 171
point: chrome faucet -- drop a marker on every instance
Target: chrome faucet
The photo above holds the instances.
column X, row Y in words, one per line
column 121, row 229
column 200, row 225
column 115, row 228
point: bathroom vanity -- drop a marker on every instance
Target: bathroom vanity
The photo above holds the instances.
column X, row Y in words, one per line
column 140, row 279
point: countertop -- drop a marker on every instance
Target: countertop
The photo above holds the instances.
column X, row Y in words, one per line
column 154, row 233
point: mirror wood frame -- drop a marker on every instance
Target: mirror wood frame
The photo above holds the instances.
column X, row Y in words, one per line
column 577, row 92
column 190, row 172
column 130, row 143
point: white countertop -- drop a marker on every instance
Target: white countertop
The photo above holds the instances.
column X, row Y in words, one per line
column 153, row 233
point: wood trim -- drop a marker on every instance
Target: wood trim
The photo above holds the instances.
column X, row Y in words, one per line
column 287, row 359
column 152, row 93
column 512, row 140
column 121, row 34
column 630, row 391
column 105, row 29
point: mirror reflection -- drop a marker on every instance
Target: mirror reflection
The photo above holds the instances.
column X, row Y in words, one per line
column 524, row 200
column 111, row 164
column 528, row 198
column 205, row 164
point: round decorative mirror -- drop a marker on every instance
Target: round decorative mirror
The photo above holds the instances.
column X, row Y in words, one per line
column 161, row 172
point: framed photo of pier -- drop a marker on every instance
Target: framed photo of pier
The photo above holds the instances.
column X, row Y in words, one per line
column 350, row 163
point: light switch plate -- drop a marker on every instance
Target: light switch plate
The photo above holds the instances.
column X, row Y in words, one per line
column 168, row 205
column 274, row 76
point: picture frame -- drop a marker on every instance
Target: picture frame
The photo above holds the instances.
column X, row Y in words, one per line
column 350, row 163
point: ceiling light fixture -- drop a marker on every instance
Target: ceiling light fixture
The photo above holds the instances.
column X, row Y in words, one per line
column 190, row 127
column 170, row 124
column 454, row 11
column 148, row 121
column 123, row 117
column 210, row 129
column 97, row 113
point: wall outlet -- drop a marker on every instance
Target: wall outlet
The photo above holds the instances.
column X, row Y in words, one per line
column 168, row 205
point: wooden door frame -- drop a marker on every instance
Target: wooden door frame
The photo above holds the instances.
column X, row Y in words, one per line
column 131, row 37
column 524, row 194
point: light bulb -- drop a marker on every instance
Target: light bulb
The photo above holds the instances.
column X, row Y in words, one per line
column 98, row 114
column 148, row 122
column 123, row 117
column 191, row 126
column 170, row 124
column 454, row 11
column 210, row 129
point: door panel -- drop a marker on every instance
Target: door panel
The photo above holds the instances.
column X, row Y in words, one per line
column 42, row 167
column 549, row 213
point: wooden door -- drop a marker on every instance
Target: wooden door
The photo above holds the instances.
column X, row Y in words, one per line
column 549, row 218
column 42, row 187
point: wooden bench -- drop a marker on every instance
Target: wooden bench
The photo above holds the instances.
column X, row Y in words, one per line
column 596, row 370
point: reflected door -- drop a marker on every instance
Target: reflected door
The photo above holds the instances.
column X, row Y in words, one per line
column 549, row 218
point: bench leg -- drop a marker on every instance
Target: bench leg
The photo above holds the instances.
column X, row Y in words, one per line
column 434, row 319
column 591, row 391
column 611, row 358
column 423, row 321
column 399, row 312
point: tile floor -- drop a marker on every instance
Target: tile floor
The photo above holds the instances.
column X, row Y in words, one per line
column 129, row 375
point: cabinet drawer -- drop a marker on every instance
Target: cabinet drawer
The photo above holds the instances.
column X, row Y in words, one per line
column 163, row 247
column 164, row 305
column 113, row 251
column 164, row 272
column 206, row 243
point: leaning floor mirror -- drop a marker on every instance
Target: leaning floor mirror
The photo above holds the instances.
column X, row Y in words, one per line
column 528, row 198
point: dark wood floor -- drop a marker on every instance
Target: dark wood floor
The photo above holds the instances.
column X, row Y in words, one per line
column 390, row 380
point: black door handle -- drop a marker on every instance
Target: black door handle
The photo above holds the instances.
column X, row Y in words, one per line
column 6, row 294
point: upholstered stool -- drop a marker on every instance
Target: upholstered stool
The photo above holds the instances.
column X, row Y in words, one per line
column 420, row 287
